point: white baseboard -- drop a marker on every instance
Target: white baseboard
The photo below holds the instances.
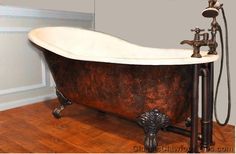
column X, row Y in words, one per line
column 27, row 101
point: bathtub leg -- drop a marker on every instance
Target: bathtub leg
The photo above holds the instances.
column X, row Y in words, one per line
column 152, row 122
column 63, row 102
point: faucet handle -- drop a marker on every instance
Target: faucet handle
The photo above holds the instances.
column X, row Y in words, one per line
column 197, row 30
column 210, row 30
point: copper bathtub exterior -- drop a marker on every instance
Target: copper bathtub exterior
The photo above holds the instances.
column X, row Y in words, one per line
column 124, row 90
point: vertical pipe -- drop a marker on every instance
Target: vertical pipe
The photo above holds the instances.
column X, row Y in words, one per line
column 194, row 111
column 205, row 122
column 211, row 99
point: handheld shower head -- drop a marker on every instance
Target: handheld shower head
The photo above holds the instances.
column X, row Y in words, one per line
column 212, row 10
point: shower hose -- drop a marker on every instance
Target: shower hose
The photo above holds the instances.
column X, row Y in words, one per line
column 226, row 53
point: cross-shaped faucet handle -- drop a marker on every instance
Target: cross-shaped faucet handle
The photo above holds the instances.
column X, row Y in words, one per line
column 197, row 30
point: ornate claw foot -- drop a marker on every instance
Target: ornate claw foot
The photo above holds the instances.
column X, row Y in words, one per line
column 152, row 122
column 63, row 102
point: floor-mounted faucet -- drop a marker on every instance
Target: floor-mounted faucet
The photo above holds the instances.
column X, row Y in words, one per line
column 212, row 11
column 197, row 42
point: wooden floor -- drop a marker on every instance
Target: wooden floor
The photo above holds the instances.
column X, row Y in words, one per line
column 33, row 129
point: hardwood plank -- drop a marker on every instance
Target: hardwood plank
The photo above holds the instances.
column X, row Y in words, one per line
column 32, row 128
column 25, row 135
column 9, row 145
column 33, row 138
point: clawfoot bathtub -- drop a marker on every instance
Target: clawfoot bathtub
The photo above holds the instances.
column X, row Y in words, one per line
column 154, row 87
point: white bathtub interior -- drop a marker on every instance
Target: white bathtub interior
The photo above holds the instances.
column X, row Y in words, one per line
column 81, row 44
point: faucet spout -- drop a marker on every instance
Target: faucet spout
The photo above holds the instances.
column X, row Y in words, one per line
column 187, row 42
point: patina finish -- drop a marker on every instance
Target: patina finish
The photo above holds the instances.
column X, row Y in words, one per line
column 124, row 90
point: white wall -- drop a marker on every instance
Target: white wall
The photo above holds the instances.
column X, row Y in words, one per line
column 163, row 24
column 24, row 76
column 62, row 5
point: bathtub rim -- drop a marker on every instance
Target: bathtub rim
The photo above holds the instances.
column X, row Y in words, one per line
column 136, row 61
